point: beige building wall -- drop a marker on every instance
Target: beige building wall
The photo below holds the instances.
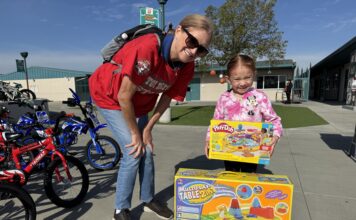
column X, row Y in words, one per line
column 211, row 88
column 54, row 89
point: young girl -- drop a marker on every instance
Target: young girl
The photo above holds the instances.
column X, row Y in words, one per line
column 244, row 103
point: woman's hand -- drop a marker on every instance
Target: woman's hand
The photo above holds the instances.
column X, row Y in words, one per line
column 147, row 138
column 207, row 149
column 138, row 147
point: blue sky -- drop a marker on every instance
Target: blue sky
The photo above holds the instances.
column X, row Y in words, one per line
column 69, row 34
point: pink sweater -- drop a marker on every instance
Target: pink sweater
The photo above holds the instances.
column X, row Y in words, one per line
column 254, row 107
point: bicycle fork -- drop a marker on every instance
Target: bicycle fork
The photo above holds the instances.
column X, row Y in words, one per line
column 98, row 147
column 59, row 178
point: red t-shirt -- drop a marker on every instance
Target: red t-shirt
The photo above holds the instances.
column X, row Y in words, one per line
column 140, row 60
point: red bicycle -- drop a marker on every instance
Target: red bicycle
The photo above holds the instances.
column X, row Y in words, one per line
column 66, row 179
column 15, row 202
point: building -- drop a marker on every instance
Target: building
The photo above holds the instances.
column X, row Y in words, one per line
column 332, row 77
column 53, row 84
column 271, row 77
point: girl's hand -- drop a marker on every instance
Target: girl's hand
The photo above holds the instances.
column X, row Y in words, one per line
column 207, row 149
column 272, row 143
column 138, row 147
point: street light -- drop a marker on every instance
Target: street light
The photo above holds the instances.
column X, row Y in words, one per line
column 24, row 55
column 162, row 3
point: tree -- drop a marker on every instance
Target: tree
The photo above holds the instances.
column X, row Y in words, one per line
column 248, row 27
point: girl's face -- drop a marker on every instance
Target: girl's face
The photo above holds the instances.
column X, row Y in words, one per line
column 189, row 43
column 241, row 79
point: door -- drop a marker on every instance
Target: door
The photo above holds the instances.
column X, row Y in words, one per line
column 82, row 88
column 193, row 92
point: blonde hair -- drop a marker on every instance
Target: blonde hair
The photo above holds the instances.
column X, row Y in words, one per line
column 241, row 59
column 198, row 21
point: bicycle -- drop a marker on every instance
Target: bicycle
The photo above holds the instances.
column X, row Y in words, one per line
column 102, row 152
column 15, row 202
column 11, row 93
column 13, row 149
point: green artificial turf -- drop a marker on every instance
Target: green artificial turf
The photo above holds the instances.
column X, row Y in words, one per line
column 292, row 117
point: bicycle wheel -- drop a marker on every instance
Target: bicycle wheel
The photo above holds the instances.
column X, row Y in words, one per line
column 61, row 190
column 28, row 94
column 16, row 203
column 109, row 157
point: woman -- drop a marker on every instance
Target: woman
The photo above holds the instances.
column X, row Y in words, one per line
column 127, row 91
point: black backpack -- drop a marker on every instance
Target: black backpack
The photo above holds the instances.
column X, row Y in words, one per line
column 119, row 41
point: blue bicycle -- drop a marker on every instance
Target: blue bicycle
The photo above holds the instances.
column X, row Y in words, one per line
column 102, row 152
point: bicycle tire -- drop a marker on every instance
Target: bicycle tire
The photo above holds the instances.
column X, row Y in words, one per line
column 106, row 161
column 28, row 94
column 52, row 191
column 9, row 192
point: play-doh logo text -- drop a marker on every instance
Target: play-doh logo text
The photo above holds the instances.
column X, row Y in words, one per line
column 223, row 127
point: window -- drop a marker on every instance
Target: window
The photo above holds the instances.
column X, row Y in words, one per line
column 282, row 81
column 260, row 82
column 271, row 82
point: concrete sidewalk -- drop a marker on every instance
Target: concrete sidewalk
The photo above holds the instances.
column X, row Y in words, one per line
column 313, row 157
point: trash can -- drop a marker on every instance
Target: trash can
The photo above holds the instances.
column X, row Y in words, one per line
column 166, row 116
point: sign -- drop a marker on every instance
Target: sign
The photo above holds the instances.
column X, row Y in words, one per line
column 20, row 64
column 150, row 16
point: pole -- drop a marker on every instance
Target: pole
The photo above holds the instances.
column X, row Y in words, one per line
column 26, row 73
column 162, row 3
column 24, row 55
column 163, row 21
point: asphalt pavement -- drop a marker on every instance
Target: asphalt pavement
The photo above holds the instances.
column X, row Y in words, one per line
column 313, row 157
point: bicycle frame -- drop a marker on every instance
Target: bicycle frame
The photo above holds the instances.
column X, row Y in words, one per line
column 10, row 91
column 89, row 117
column 50, row 149
column 13, row 176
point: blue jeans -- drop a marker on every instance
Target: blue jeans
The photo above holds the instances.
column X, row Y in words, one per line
column 129, row 165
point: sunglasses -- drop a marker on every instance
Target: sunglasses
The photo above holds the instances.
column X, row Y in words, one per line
column 192, row 43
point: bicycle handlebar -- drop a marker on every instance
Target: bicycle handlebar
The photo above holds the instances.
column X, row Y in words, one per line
column 61, row 115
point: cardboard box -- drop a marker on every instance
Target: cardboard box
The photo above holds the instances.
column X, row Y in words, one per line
column 213, row 194
column 240, row 141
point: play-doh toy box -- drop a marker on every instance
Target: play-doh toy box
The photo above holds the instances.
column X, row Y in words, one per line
column 214, row 194
column 240, row 141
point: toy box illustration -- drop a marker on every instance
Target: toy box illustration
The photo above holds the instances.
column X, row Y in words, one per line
column 221, row 195
column 240, row 141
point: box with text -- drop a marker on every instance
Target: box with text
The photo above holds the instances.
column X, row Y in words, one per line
column 208, row 195
column 240, row 141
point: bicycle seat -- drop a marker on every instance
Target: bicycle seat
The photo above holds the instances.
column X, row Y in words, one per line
column 11, row 136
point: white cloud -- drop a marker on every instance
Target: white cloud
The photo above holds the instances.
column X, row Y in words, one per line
column 304, row 60
column 139, row 5
column 101, row 13
column 341, row 24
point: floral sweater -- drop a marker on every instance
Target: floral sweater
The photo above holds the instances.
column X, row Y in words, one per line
column 254, row 106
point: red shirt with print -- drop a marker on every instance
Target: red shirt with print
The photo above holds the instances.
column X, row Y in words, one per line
column 140, row 60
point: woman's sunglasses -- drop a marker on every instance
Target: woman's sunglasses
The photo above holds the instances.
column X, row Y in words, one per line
column 192, row 43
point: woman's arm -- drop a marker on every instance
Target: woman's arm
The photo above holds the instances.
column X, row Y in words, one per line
column 126, row 92
column 161, row 107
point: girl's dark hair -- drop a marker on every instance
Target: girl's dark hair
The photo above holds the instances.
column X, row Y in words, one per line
column 241, row 59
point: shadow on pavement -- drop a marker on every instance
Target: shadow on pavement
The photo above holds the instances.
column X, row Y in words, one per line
column 337, row 141
column 199, row 162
